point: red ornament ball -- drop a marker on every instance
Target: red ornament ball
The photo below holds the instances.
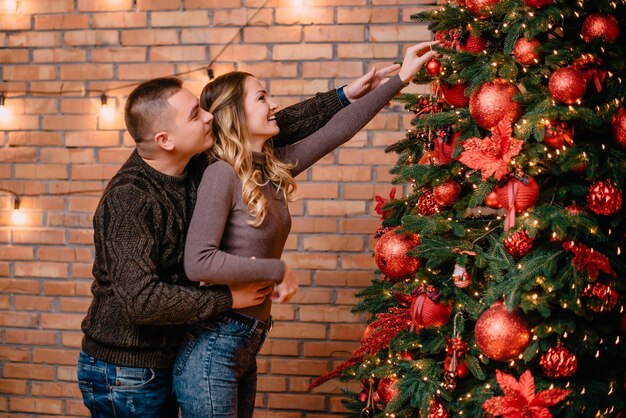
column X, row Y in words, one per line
column 518, row 244
column 474, row 44
column 448, row 193
column 618, row 126
column 567, row 85
column 558, row 362
column 558, row 133
column 481, row 8
column 454, row 94
column 461, row 369
column 491, row 200
column 433, row 67
column 524, row 195
column 604, row 198
column 600, row 25
column 538, row 3
column 502, row 335
column 601, row 298
column 525, row 51
column 493, row 102
column 431, row 313
column 426, row 204
column 448, row 147
column 387, row 389
column 391, row 256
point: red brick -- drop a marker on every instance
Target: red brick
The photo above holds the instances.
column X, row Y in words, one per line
column 60, row 55
column 180, row 19
column 177, row 53
column 13, row 56
column 329, row 349
column 72, row 339
column 239, row 17
column 270, row 69
column 311, row 261
column 288, row 401
column 92, row 139
column 327, row 314
column 119, row 20
column 313, row 225
column 346, row 297
column 29, row 72
column 298, row 367
column 209, row 36
column 40, row 269
column 212, row 4
column 91, row 37
column 334, row 33
column 54, row 356
column 14, row 354
column 28, row 371
column 57, row 22
column 333, row 243
column 20, row 286
column 121, row 54
column 273, row 34
column 52, row 288
column 295, row 330
column 35, row 7
column 100, row 6
column 241, row 53
column 60, row 321
column 368, row 50
column 74, row 305
column 15, row 387
column 86, row 72
column 317, row 191
column 29, row 337
column 33, row 303
column 40, row 406
column 347, row 332
column 150, row 37
column 55, row 390
column 280, row 347
column 144, row 71
column 392, row 33
column 17, row 319
column 158, row 4
column 304, row 15
column 81, row 237
column 312, row 295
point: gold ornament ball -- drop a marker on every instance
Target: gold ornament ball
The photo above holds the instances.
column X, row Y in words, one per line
column 502, row 335
column 567, row 85
column 493, row 102
column 480, row 8
column 525, row 51
column 618, row 126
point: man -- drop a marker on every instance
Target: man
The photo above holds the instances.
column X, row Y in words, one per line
column 141, row 295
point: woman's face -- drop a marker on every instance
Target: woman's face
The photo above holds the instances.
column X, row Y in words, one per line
column 260, row 113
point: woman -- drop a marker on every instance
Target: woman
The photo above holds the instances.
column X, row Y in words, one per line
column 240, row 225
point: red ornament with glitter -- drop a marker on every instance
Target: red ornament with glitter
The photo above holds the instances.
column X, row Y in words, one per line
column 600, row 25
column 604, row 198
column 518, row 244
column 447, row 193
column 491, row 200
column 447, row 148
column 473, row 44
column 391, row 256
column 433, row 67
column 592, row 68
column 426, row 204
column 436, row 410
column 387, row 389
column 525, row 51
column 601, row 298
column 502, row 335
column 558, row 133
column 567, row 85
column 454, row 94
column 493, row 102
column 516, row 196
column 481, row 8
column 538, row 3
column 559, row 362
column 618, row 126
column 425, row 309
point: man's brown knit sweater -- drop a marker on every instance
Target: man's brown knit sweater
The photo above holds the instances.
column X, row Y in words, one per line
column 141, row 292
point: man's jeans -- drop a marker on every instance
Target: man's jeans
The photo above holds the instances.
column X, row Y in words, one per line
column 111, row 390
column 215, row 372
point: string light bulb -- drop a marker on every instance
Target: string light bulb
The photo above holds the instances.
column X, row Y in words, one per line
column 5, row 112
column 17, row 217
column 107, row 111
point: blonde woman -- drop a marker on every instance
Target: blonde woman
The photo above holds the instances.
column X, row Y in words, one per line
column 241, row 222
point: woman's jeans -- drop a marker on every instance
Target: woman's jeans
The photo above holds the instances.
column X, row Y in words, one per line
column 215, row 372
column 111, row 390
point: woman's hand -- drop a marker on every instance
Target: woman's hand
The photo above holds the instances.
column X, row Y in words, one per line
column 368, row 82
column 413, row 61
column 250, row 294
column 287, row 288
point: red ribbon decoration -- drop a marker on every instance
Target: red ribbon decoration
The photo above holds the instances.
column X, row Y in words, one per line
column 510, row 215
column 418, row 297
column 588, row 65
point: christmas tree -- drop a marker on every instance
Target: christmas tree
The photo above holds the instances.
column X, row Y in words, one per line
column 502, row 282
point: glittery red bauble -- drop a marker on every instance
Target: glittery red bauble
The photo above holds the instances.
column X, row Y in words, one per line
column 431, row 313
column 491, row 200
column 390, row 254
column 454, row 94
column 502, row 335
column 387, row 389
column 426, row 204
column 461, row 369
column 474, row 44
column 604, row 198
column 493, row 102
column 600, row 25
column 436, row 410
column 480, row 8
column 567, row 85
column 558, row 133
column 558, row 362
column 448, row 193
column 433, row 67
column 538, row 3
column 518, row 244
column 525, row 51
column 526, row 194
column 601, row 298
column 618, row 126
column 448, row 148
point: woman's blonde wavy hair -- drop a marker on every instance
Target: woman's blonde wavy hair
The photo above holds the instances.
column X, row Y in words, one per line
column 224, row 98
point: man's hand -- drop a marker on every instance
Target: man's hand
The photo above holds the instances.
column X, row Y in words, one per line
column 368, row 82
column 287, row 288
column 250, row 294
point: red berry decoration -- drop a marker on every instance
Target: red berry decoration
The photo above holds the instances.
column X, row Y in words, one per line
column 481, row 8
column 618, row 126
column 558, row 362
column 525, row 51
column 601, row 298
column 387, row 389
column 524, row 194
column 426, row 204
column 604, row 198
column 502, row 335
column 567, row 85
column 558, row 134
column 538, row 3
column 491, row 200
column 518, row 244
column 493, row 102
column 600, row 25
column 433, row 67
column 448, row 193
column 454, row 94
column 391, row 256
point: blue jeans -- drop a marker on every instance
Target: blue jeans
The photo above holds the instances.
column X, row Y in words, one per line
column 215, row 370
column 111, row 390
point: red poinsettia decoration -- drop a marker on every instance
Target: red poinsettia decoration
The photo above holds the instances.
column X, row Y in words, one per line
column 520, row 400
column 492, row 155
column 381, row 201
column 586, row 258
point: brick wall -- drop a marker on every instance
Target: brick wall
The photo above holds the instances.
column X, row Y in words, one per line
column 57, row 152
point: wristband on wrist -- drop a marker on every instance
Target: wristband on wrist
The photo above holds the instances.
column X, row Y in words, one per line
column 342, row 97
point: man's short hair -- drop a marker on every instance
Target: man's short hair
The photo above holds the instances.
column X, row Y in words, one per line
column 146, row 104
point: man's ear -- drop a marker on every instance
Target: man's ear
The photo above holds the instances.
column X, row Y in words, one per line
column 163, row 140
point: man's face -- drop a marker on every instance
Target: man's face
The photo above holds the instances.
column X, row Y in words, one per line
column 190, row 126
column 260, row 112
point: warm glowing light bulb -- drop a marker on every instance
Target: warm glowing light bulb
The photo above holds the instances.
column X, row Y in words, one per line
column 10, row 5
column 5, row 112
column 108, row 109
column 18, row 217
